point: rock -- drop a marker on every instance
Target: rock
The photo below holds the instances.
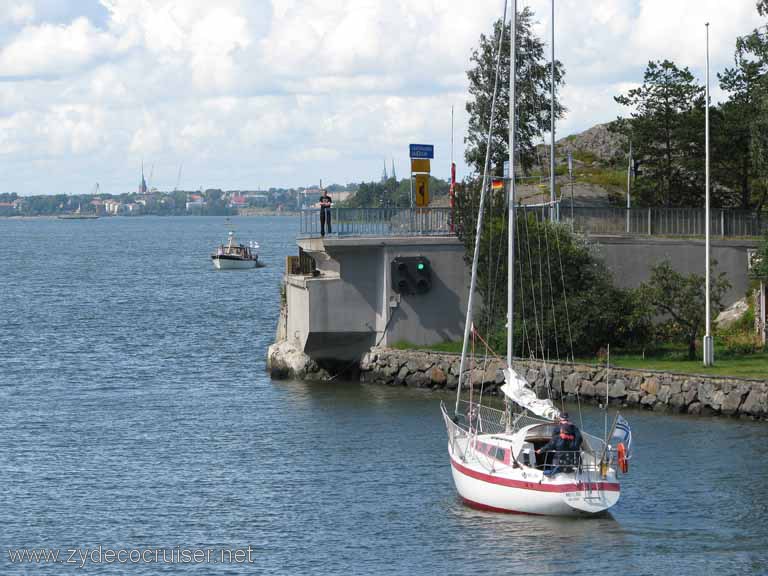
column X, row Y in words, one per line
column 756, row 403
column 418, row 380
column 588, row 389
column 426, row 364
column 733, row 400
column 437, row 376
column 633, row 398
column 732, row 314
column 664, row 394
column 402, row 374
column 677, row 400
column 451, row 381
column 412, row 365
column 648, row 400
column 284, row 360
column 650, row 386
column 618, row 389
column 572, row 383
column 499, row 377
column 695, row 408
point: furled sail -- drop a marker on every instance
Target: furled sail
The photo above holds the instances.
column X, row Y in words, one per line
column 517, row 390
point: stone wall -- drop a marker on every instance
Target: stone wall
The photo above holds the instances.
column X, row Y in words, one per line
column 658, row 391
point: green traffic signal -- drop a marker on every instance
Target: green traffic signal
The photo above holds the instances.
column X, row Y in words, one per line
column 420, row 266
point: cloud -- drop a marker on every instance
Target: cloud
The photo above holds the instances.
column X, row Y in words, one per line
column 54, row 50
column 285, row 92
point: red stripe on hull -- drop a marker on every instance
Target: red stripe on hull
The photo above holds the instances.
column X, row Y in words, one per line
column 486, row 508
column 577, row 487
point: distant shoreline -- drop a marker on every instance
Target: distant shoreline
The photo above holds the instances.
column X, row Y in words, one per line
column 248, row 214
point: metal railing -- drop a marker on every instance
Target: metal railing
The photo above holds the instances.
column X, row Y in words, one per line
column 724, row 223
column 665, row 221
column 380, row 222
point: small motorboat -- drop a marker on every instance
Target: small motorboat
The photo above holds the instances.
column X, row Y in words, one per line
column 235, row 256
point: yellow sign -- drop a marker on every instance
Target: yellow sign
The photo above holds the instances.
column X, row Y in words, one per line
column 420, row 165
column 422, row 190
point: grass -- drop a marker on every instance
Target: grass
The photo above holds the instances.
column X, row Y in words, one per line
column 605, row 178
column 749, row 366
column 668, row 359
column 453, row 347
column 674, row 358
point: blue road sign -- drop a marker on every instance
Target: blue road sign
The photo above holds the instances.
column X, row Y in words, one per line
column 422, row 151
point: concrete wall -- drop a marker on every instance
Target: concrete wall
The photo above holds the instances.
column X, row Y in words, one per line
column 351, row 306
column 630, row 259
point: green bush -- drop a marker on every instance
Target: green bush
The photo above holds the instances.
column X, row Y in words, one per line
column 740, row 344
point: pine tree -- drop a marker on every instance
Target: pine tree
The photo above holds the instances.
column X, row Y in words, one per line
column 667, row 134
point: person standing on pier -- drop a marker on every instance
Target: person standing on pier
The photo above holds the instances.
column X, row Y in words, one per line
column 325, row 213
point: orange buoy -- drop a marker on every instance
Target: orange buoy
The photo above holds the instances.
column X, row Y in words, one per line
column 623, row 462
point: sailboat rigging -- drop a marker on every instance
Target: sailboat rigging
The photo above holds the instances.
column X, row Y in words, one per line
column 497, row 456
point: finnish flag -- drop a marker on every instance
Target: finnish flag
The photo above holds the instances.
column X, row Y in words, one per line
column 623, row 432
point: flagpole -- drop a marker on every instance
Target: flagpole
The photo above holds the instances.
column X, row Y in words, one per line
column 709, row 353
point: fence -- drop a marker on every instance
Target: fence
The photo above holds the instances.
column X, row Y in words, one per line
column 590, row 220
column 380, row 221
column 665, row 221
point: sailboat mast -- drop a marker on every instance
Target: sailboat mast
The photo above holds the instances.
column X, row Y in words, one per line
column 552, row 114
column 511, row 200
column 478, row 233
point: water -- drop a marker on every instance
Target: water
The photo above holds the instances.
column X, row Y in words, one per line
column 135, row 412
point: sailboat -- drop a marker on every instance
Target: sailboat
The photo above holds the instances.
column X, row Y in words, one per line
column 496, row 455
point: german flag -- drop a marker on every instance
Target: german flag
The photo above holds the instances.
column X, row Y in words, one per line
column 497, row 184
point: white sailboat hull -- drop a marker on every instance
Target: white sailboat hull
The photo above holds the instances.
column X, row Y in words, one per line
column 511, row 485
column 527, row 491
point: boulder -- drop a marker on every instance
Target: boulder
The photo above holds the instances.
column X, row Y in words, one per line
column 572, row 383
column 284, row 360
column 648, row 400
column 732, row 314
column 437, row 376
column 733, row 399
column 650, row 386
column 418, row 380
column 618, row 389
column 695, row 408
column 756, row 403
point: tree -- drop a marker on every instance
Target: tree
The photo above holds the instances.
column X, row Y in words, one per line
column 683, row 299
column 666, row 130
column 737, row 122
column 532, row 95
column 565, row 300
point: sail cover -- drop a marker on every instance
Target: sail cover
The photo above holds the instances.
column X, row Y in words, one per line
column 517, row 390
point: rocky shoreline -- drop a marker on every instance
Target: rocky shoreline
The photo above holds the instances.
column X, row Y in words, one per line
column 651, row 390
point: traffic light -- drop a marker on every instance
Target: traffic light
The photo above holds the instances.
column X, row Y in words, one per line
column 411, row 275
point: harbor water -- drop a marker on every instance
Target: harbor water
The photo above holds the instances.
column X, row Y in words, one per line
column 136, row 414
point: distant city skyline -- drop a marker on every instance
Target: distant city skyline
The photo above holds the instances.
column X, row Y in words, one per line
column 240, row 94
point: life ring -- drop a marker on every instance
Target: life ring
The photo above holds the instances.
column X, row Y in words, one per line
column 623, row 462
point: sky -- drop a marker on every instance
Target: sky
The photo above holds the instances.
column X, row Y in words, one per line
column 251, row 94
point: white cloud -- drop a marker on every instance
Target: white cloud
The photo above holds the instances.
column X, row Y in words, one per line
column 17, row 12
column 54, row 50
column 284, row 92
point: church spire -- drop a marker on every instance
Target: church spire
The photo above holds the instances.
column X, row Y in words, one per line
column 393, row 170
